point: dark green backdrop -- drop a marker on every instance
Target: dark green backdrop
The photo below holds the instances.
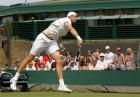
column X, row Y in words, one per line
column 109, row 78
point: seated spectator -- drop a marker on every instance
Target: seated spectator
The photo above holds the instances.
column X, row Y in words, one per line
column 65, row 63
column 37, row 60
column 97, row 54
column 101, row 63
column 118, row 60
column 91, row 63
column 68, row 55
column 53, row 65
column 49, row 63
column 31, row 66
column 68, row 58
column 41, row 65
column 83, row 65
column 129, row 59
column 64, row 59
column 46, row 62
column 90, row 54
column 109, row 55
column 17, row 65
column 81, row 60
column 45, row 58
column 73, row 65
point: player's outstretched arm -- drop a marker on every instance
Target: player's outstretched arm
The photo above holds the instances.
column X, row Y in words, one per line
column 74, row 33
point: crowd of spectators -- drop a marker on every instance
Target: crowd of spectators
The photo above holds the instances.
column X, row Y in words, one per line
column 90, row 61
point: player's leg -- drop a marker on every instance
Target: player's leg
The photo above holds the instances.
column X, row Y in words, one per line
column 38, row 46
column 20, row 69
column 57, row 57
column 23, row 64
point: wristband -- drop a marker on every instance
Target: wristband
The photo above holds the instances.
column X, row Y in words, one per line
column 79, row 38
column 61, row 45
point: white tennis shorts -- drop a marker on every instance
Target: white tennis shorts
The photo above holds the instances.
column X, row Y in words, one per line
column 43, row 43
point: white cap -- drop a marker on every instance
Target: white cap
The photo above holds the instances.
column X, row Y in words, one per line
column 107, row 47
column 102, row 54
column 71, row 14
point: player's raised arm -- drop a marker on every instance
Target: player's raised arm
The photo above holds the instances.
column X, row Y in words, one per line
column 74, row 33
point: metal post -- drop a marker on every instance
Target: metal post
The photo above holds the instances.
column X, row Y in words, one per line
column 35, row 29
column 9, row 49
column 86, row 30
column 114, row 29
column 8, row 30
column 138, row 56
column 25, row 2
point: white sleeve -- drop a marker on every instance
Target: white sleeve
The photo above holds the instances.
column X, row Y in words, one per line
column 67, row 20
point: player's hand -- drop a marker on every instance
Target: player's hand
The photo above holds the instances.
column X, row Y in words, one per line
column 80, row 43
column 62, row 49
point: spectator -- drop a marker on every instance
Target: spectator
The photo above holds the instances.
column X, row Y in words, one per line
column 129, row 59
column 17, row 65
column 118, row 60
column 73, row 65
column 91, row 63
column 81, row 61
column 45, row 58
column 37, row 60
column 65, row 67
column 84, row 67
column 90, row 58
column 31, row 66
column 64, row 59
column 49, row 63
column 68, row 55
column 53, row 65
column 65, row 63
column 46, row 62
column 90, row 54
column 101, row 63
column 109, row 55
column 41, row 65
column 97, row 53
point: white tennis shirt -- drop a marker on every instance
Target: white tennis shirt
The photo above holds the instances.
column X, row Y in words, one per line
column 58, row 28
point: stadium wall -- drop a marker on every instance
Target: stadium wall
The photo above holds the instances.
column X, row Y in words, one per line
column 106, row 78
column 18, row 49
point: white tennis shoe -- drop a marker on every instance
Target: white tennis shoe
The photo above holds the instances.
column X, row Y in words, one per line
column 64, row 89
column 13, row 84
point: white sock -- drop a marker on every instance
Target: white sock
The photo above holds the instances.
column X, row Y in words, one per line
column 16, row 76
column 61, row 82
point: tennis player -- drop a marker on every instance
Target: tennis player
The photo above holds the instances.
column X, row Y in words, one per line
column 48, row 40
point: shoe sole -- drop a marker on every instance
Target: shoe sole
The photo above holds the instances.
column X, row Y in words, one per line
column 63, row 91
column 12, row 88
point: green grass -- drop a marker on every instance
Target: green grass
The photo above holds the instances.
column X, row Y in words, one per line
column 60, row 94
